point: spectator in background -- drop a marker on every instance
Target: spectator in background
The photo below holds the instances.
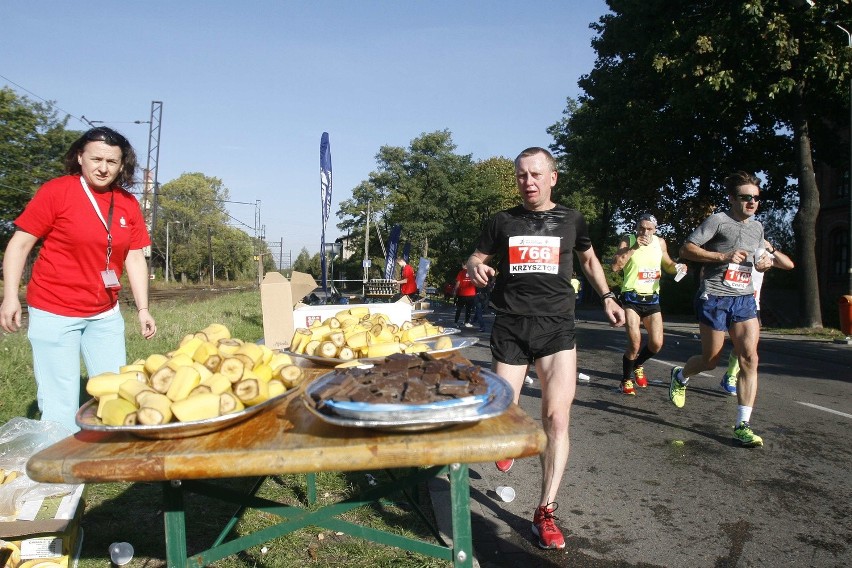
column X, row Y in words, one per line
column 465, row 293
column 448, row 291
column 480, row 303
column 91, row 229
column 408, row 280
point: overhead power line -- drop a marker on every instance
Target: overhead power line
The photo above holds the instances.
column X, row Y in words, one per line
column 51, row 103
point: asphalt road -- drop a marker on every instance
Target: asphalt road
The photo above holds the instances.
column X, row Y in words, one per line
column 649, row 484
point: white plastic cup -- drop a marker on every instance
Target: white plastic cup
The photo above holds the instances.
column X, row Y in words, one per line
column 681, row 272
column 583, row 377
column 505, row 493
column 120, row 553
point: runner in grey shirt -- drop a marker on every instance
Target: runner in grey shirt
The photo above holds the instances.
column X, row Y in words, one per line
column 725, row 233
column 726, row 242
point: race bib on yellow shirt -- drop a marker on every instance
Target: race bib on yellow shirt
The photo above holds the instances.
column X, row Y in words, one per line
column 647, row 276
column 737, row 276
column 533, row 255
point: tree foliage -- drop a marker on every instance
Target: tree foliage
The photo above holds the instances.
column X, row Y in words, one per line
column 441, row 200
column 683, row 93
column 33, row 141
column 192, row 210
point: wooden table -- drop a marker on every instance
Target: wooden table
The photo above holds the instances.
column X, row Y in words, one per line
column 289, row 439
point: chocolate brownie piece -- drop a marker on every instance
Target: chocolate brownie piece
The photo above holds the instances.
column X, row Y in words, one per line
column 401, row 378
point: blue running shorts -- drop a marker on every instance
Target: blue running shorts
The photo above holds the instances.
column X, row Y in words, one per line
column 719, row 312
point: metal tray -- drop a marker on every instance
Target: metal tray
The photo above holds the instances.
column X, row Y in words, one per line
column 447, row 331
column 392, row 412
column 458, row 343
column 500, row 396
column 87, row 419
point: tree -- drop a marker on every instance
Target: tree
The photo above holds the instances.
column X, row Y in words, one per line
column 33, row 142
column 684, row 93
column 439, row 197
column 303, row 263
column 192, row 206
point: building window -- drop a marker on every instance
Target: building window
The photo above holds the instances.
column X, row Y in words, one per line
column 839, row 240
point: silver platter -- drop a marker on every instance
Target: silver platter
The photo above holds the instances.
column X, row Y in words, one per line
column 393, row 412
column 87, row 419
column 457, row 343
column 447, row 331
column 498, row 399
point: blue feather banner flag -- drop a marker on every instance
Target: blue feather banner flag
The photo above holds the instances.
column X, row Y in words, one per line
column 325, row 196
column 390, row 259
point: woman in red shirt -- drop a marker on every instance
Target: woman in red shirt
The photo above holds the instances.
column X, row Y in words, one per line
column 91, row 230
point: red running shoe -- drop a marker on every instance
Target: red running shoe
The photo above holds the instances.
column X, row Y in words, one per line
column 544, row 527
column 639, row 375
column 505, row 465
column 626, row 387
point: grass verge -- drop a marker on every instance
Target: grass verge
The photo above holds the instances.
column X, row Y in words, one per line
column 132, row 511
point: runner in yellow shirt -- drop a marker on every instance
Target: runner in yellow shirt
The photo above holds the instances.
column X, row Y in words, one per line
column 642, row 257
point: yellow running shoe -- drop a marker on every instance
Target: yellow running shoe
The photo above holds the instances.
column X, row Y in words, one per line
column 744, row 436
column 677, row 390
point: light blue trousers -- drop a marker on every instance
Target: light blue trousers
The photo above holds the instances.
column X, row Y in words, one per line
column 58, row 342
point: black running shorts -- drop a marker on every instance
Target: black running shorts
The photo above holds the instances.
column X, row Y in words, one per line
column 644, row 310
column 520, row 340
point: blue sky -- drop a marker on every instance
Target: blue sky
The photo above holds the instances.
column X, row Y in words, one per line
column 248, row 87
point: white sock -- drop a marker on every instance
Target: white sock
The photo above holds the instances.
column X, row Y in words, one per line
column 743, row 414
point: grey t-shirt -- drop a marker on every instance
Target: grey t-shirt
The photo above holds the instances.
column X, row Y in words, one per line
column 720, row 232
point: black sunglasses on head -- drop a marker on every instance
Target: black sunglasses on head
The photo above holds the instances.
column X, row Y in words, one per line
column 104, row 134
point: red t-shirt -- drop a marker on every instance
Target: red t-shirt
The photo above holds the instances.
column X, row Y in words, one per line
column 466, row 286
column 410, row 286
column 66, row 278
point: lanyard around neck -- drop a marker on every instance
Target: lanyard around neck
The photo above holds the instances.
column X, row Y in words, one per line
column 107, row 223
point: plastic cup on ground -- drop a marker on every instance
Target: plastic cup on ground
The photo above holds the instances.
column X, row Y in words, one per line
column 505, row 493
column 583, row 377
column 120, row 553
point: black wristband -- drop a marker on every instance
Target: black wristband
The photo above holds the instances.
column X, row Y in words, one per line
column 608, row 295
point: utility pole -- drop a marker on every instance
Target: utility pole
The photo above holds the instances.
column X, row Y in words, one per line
column 151, row 183
column 210, row 252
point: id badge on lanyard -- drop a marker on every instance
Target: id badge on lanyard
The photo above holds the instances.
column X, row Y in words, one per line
column 107, row 275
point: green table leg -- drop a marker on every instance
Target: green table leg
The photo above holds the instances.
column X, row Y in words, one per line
column 175, row 524
column 460, row 503
column 311, row 479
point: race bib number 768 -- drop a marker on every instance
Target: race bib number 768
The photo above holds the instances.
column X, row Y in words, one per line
column 533, row 255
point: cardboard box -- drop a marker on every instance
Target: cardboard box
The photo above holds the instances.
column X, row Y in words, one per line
column 48, row 529
column 398, row 312
column 278, row 297
column 283, row 312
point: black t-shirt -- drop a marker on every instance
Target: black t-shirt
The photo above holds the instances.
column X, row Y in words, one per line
column 535, row 259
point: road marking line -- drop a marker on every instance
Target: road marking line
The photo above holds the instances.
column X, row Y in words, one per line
column 824, row 408
column 619, row 349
